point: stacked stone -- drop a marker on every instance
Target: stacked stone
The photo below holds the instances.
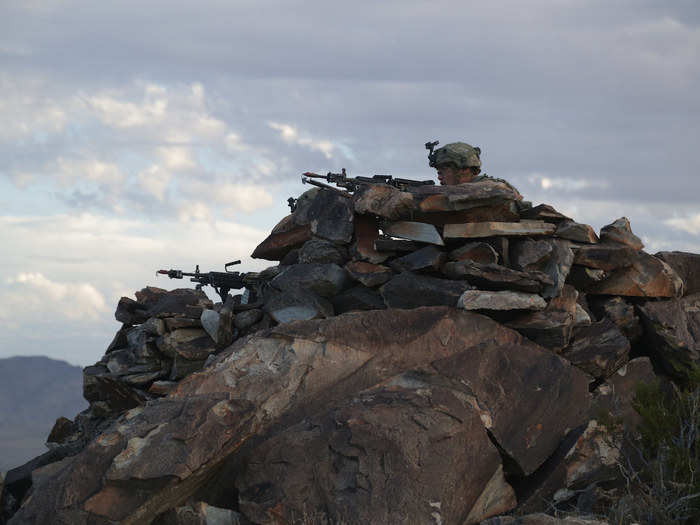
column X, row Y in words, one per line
column 478, row 248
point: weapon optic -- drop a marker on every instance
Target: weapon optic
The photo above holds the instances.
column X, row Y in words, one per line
column 222, row 282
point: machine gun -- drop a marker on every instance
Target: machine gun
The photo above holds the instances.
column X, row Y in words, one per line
column 351, row 184
column 222, row 282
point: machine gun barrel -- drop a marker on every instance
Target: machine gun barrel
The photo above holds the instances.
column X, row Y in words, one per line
column 222, row 282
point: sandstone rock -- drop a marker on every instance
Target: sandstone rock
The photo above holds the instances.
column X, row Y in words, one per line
column 620, row 232
column 297, row 305
column 411, row 291
column 245, row 320
column 490, row 229
column 434, row 211
column 366, row 233
column 413, row 231
column 368, row 274
column 672, row 330
column 543, row 212
column 427, row 258
column 552, row 326
column 620, row 312
column 407, row 453
column 503, row 300
column 605, row 256
column 383, row 201
column 575, row 231
column 599, row 349
column 465, row 196
column 496, row 277
column 277, row 245
column 479, row 252
column 199, row 513
column 687, row 266
column 322, row 251
column 189, row 343
column 331, row 217
column 173, row 445
column 325, row 280
column 646, row 277
column 357, row 298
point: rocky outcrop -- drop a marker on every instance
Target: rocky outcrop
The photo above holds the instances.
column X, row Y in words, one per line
column 421, row 355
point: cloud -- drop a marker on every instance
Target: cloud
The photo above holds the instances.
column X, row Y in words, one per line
column 290, row 134
column 689, row 224
column 565, row 184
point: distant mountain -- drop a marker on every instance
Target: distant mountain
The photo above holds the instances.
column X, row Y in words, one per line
column 34, row 391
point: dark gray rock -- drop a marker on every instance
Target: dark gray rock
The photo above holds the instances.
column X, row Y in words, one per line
column 530, row 255
column 245, row 320
column 575, row 231
column 322, row 251
column 325, row 280
column 358, row 298
column 408, row 290
column 605, row 256
column 331, row 217
column 581, row 277
column 130, row 312
column 503, row 300
column 543, row 212
column 427, row 258
column 188, row 343
column 496, row 277
column 297, row 305
column 368, row 274
column 479, row 252
column 619, row 311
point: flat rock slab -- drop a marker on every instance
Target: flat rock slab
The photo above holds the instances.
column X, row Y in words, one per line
column 575, row 231
column 322, row 251
column 331, row 217
column 503, row 300
column 413, row 231
column 464, row 196
column 297, row 305
column 647, row 276
column 189, row 343
column 387, row 244
column 426, row 258
column 543, row 212
column 476, row 230
column 598, row 349
column 408, row 290
column 506, row 211
column 673, row 330
column 325, row 280
column 366, row 234
column 687, row 266
column 496, row 277
column 606, row 257
column 161, row 454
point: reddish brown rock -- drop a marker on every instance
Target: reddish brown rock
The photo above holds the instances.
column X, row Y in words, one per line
column 464, row 196
column 433, row 211
column 620, row 232
column 543, row 212
column 366, row 233
column 479, row 252
column 383, row 201
column 619, row 311
column 575, row 231
column 687, row 266
column 159, row 455
column 647, row 276
column 368, row 274
column 277, row 245
column 605, row 256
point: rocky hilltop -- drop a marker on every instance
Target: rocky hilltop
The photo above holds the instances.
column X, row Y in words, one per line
column 444, row 355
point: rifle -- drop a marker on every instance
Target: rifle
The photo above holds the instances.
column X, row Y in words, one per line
column 222, row 282
column 351, row 184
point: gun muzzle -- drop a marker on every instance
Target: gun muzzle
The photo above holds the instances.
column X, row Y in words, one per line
column 173, row 274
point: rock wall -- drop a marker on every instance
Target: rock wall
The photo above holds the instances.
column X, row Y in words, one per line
column 435, row 356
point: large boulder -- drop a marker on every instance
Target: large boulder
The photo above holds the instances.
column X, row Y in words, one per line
column 673, row 333
column 687, row 266
column 155, row 457
column 325, row 280
column 407, row 290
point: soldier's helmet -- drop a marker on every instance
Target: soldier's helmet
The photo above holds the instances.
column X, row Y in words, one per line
column 459, row 154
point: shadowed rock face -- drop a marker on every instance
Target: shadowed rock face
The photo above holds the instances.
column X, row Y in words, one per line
column 156, row 456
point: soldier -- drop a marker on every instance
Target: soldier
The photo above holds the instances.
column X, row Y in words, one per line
column 456, row 163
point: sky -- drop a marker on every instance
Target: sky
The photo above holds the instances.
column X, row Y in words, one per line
column 136, row 136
